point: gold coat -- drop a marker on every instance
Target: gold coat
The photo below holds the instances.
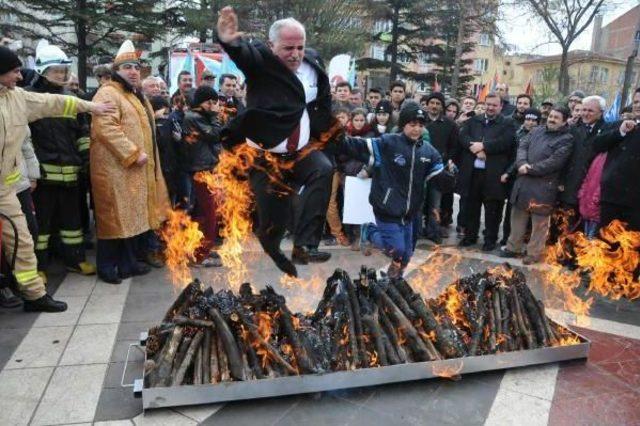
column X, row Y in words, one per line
column 129, row 199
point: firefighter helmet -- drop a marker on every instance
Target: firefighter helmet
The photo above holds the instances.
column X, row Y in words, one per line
column 48, row 56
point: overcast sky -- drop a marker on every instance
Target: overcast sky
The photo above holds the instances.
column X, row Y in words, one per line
column 530, row 36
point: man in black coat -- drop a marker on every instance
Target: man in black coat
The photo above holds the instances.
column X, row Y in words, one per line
column 288, row 104
column 487, row 143
column 620, row 196
column 581, row 156
column 443, row 135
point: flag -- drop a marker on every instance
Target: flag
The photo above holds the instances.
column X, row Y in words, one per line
column 494, row 82
column 528, row 90
column 436, row 85
column 351, row 77
column 484, row 92
column 613, row 113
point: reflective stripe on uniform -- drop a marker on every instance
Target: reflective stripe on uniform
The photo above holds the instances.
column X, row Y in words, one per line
column 71, row 237
column 12, row 178
column 26, row 276
column 70, row 107
column 73, row 233
column 57, row 173
column 43, row 242
column 52, row 168
column 83, row 143
column 70, row 241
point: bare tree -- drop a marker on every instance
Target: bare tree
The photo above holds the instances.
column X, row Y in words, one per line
column 470, row 17
column 566, row 20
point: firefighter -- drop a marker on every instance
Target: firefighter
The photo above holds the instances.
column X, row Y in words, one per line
column 17, row 108
column 62, row 147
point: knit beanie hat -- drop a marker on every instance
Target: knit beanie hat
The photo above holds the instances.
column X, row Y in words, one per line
column 532, row 113
column 384, row 107
column 8, row 60
column 203, row 94
column 411, row 113
column 436, row 95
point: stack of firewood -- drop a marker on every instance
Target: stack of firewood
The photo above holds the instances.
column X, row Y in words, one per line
column 209, row 337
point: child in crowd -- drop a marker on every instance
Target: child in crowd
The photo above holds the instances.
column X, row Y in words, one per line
column 401, row 164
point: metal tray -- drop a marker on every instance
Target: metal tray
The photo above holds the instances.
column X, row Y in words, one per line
column 159, row 397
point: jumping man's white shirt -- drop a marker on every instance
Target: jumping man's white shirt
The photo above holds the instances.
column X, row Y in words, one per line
column 309, row 79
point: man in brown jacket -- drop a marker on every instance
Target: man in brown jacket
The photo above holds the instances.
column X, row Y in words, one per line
column 128, row 188
column 17, row 109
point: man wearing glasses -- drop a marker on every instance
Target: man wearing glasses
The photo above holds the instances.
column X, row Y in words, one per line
column 208, row 79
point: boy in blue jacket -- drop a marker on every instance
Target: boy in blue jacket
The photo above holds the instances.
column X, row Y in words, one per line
column 401, row 163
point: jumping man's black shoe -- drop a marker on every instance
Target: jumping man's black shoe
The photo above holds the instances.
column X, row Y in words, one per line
column 44, row 304
column 303, row 255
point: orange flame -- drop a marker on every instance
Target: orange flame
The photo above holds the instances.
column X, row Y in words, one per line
column 229, row 183
column 611, row 261
column 447, row 369
column 453, row 301
column 302, row 294
column 182, row 238
column 437, row 266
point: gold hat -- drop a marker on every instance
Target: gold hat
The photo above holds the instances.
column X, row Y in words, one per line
column 126, row 54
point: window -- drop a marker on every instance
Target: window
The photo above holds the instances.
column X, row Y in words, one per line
column 481, row 65
column 484, row 40
column 382, row 26
column 604, row 75
column 377, row 52
column 595, row 70
column 404, row 58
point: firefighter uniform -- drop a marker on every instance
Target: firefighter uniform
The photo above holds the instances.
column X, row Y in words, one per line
column 17, row 108
column 62, row 147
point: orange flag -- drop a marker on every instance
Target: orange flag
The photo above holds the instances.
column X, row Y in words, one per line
column 483, row 93
column 528, row 90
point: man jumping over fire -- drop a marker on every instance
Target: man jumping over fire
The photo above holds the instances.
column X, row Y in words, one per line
column 288, row 106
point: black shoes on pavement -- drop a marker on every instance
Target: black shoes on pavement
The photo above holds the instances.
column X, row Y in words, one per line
column 304, row 255
column 489, row 246
column 9, row 300
column 44, row 304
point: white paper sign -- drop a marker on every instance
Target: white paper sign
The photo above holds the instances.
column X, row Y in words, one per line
column 357, row 209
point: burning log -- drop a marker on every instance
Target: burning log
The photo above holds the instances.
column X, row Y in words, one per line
column 273, row 353
column 479, row 325
column 180, row 320
column 190, row 354
column 392, row 337
column 521, row 325
column 229, row 343
column 223, row 361
column 417, row 345
column 357, row 319
column 182, row 301
column 206, row 356
column 208, row 337
column 161, row 375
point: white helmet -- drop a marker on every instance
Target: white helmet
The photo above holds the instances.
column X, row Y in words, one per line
column 48, row 56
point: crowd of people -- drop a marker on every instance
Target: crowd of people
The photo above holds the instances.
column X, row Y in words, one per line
column 140, row 151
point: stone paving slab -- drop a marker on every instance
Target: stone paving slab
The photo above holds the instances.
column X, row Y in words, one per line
column 72, row 395
column 20, row 392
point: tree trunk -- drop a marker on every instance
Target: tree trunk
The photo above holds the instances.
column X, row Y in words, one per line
column 204, row 6
column 83, row 49
column 455, row 78
column 395, row 35
column 563, row 82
